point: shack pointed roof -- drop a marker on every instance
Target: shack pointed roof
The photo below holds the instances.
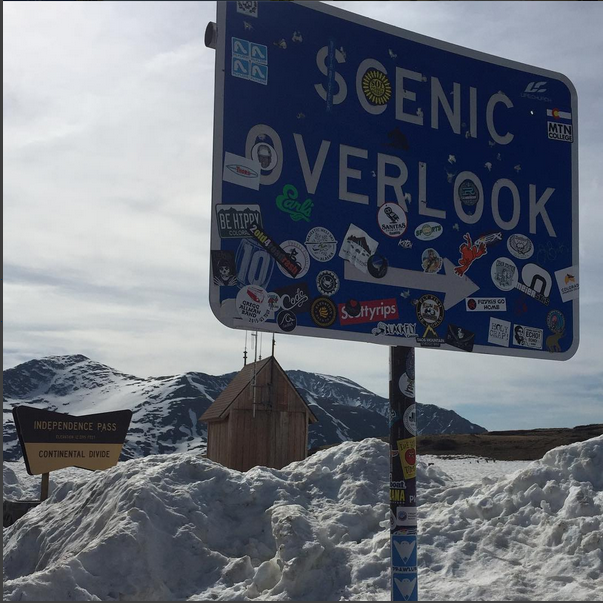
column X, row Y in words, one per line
column 219, row 409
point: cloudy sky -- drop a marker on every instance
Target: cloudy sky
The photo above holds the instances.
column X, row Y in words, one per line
column 108, row 118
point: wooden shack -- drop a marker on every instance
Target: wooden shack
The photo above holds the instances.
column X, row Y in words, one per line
column 259, row 419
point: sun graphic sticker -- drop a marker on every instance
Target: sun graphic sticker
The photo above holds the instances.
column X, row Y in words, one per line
column 376, row 87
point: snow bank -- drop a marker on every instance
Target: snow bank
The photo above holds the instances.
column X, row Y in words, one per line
column 178, row 527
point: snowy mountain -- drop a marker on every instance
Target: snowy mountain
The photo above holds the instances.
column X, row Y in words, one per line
column 180, row 527
column 166, row 409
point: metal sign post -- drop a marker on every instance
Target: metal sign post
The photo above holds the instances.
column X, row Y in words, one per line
column 403, row 474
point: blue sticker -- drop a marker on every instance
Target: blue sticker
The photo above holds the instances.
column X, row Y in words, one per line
column 259, row 73
column 404, row 550
column 404, row 587
column 240, row 68
column 241, row 48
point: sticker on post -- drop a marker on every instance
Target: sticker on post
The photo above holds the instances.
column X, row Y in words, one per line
column 407, row 450
column 404, row 547
column 404, row 587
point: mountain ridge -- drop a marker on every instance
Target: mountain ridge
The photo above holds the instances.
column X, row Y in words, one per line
column 166, row 409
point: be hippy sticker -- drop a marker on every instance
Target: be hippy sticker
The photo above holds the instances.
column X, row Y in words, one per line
column 358, row 247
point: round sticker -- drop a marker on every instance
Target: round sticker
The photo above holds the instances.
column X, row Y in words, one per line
column 504, row 274
column 471, row 304
column 327, row 282
column 353, row 307
column 428, row 231
column 410, row 363
column 323, row 312
column 555, row 321
column 410, row 419
column 520, row 246
column 265, row 154
column 321, row 244
column 255, row 304
column 407, row 386
column 298, row 255
column 430, row 311
column 377, row 265
column 468, row 194
column 376, row 87
column 286, row 320
column 431, row 260
column 392, row 220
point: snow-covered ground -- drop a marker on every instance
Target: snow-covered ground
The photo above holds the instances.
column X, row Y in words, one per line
column 180, row 527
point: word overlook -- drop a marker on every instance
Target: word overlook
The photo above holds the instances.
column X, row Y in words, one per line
column 413, row 92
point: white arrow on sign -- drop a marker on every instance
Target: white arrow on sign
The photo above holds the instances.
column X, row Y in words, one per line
column 456, row 288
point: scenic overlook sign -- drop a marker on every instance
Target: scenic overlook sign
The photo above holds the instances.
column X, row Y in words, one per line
column 376, row 185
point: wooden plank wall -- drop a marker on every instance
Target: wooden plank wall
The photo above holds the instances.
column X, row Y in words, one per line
column 217, row 442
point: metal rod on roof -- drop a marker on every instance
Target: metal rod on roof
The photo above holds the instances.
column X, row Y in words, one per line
column 255, row 369
column 245, row 351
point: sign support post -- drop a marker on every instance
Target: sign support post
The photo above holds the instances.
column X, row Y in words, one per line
column 403, row 475
column 45, row 486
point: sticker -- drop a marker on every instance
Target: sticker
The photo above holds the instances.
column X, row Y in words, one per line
column 499, row 332
column 397, row 495
column 357, row 247
column 407, row 450
column 407, row 386
column 327, row 282
column 552, row 341
column 404, row 587
column 376, row 87
column 537, row 283
column 469, row 253
column 428, row 231
column 430, row 312
column 249, row 61
column 254, row 264
column 504, row 274
column 321, row 244
column 555, row 321
column 370, row 311
column 410, row 422
column 486, row 304
column 406, row 329
column 242, row 171
column 224, row 268
column 568, row 283
column 295, row 298
column 559, row 131
column 248, row 8
column 460, row 338
column 469, row 195
column 286, row 263
column 406, row 517
column 410, row 363
column 323, row 312
column 352, row 308
column 520, row 246
column 404, row 546
column 377, row 265
column 431, row 260
column 527, row 337
column 405, row 244
column 298, row 255
column 287, row 203
column 392, row 220
column 255, row 304
column 234, row 220
column 265, row 155
column 286, row 321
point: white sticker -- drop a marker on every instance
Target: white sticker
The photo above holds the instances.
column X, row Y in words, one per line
column 410, row 419
column 428, row 231
column 499, row 332
column 321, row 244
column 504, row 274
column 407, row 386
column 486, row 304
column 568, row 283
column 520, row 246
column 255, row 304
column 242, row 171
column 299, row 255
column 392, row 220
column 358, row 247
column 527, row 337
column 406, row 517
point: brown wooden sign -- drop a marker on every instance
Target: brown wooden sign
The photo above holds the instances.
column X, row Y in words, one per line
column 52, row 440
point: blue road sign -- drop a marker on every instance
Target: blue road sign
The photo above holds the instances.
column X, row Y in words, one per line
column 411, row 192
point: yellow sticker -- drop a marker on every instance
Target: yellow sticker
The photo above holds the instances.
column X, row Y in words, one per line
column 407, row 449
